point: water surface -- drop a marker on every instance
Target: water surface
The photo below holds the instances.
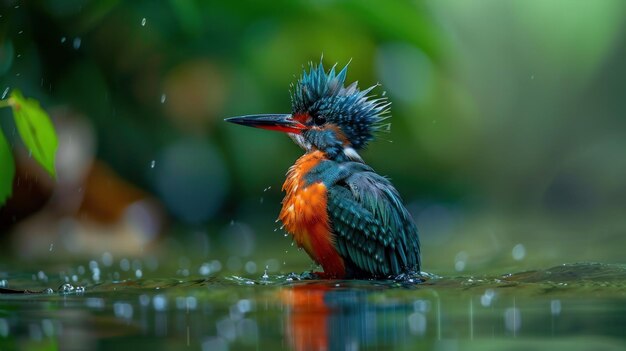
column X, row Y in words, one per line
column 569, row 307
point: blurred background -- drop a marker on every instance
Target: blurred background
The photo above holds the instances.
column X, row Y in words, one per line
column 507, row 142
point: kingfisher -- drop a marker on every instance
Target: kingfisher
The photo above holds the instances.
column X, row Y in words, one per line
column 349, row 219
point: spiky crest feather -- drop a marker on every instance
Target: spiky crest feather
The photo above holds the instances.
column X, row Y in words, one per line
column 358, row 114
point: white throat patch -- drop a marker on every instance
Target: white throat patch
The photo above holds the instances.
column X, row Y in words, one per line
column 299, row 139
column 350, row 153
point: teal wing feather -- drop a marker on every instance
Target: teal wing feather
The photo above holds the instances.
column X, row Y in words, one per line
column 373, row 230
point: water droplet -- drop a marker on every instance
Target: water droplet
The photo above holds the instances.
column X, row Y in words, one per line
column 143, row 22
column 261, row 200
column 163, row 98
column 51, row 247
column 487, row 297
column 80, row 289
column 250, row 267
column 216, row 266
column 265, row 276
column 512, row 319
column 518, row 252
column 107, row 259
column 205, row 269
column 123, row 310
column 66, row 288
column 95, row 274
column 76, row 43
column 3, row 283
column 460, row 261
column 144, row 300
column 152, row 163
column 5, row 92
column 42, row 276
column 124, row 264
column 159, row 302
column 555, row 307
column 63, row 39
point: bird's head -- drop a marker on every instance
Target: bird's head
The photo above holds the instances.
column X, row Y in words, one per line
column 326, row 115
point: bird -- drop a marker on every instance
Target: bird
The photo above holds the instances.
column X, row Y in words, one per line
column 349, row 219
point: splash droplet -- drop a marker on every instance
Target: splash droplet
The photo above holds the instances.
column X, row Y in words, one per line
column 76, row 43
column 143, row 22
column 66, row 288
column 555, row 307
column 265, row 276
column 518, row 252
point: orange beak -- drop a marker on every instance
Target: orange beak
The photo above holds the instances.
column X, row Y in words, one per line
column 282, row 123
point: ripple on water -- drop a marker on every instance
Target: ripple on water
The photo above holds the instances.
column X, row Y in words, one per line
column 227, row 311
column 566, row 276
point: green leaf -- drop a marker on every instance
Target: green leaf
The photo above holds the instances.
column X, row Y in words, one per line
column 36, row 130
column 7, row 169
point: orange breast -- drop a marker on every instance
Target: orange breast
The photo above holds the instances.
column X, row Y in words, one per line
column 304, row 215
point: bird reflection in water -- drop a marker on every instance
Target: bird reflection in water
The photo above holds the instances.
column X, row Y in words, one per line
column 324, row 317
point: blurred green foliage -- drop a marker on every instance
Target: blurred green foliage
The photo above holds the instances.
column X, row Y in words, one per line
column 37, row 133
column 8, row 172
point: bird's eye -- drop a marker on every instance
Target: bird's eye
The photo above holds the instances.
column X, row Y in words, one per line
column 319, row 120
